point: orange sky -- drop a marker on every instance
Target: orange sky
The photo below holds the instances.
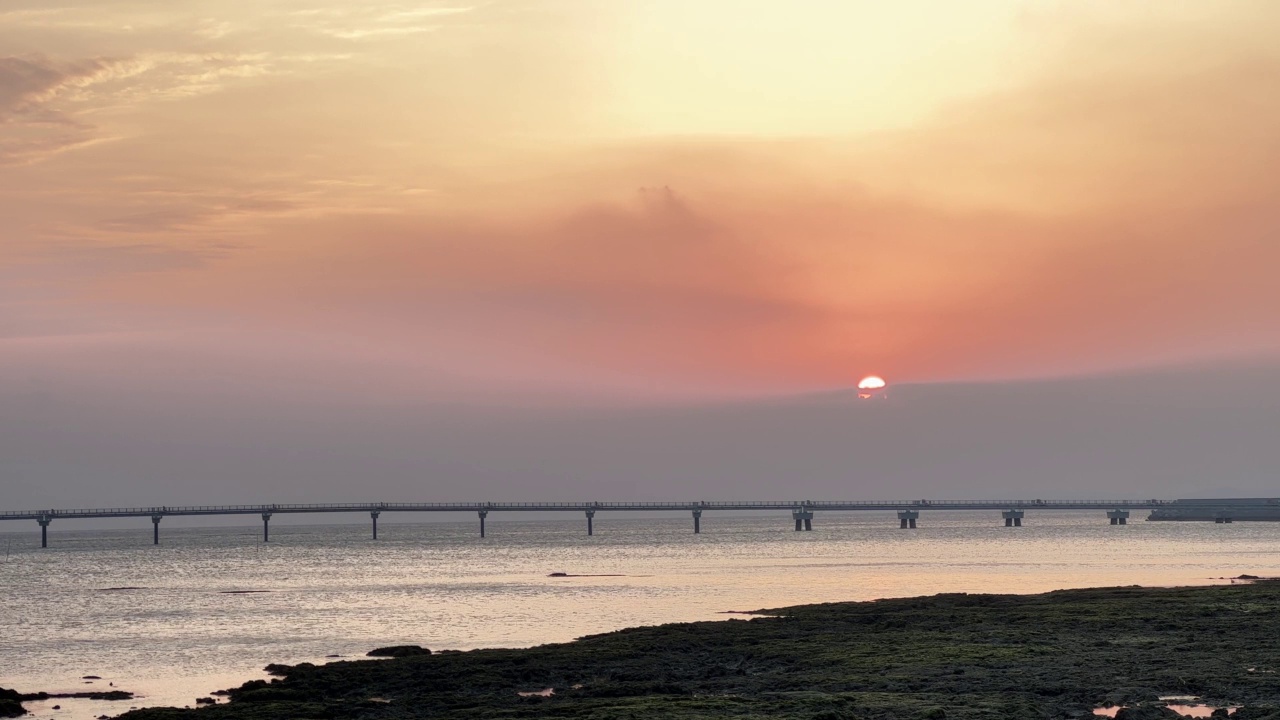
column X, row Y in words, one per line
column 656, row 197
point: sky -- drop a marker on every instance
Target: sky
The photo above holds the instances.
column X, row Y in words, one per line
column 486, row 216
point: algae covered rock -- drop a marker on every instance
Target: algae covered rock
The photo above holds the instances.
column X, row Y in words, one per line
column 1257, row 712
column 1132, row 696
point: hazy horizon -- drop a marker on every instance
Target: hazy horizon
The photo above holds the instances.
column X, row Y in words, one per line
column 1165, row 434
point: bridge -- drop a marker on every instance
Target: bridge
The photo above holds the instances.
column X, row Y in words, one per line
column 802, row 511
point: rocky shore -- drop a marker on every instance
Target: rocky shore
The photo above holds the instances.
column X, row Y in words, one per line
column 989, row 657
column 11, row 700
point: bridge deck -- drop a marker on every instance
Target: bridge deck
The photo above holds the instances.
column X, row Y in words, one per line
column 810, row 505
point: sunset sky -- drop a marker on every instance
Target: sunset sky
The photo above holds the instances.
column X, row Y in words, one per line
column 649, row 196
column 629, row 200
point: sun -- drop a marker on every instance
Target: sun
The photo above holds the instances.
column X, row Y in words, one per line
column 871, row 386
column 871, row 382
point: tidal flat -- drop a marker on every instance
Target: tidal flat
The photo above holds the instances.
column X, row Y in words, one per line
column 1053, row 655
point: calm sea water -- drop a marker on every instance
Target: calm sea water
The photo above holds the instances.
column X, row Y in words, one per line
column 185, row 628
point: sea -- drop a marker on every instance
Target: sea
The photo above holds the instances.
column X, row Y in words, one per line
column 209, row 607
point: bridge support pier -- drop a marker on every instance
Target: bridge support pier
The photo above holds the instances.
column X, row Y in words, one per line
column 1012, row 518
column 155, row 529
column 803, row 518
column 697, row 522
column 907, row 519
column 373, row 514
column 591, row 516
column 483, row 514
column 44, row 530
column 1118, row 517
column 266, row 527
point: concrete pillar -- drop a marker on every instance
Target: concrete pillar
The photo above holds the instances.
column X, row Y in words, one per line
column 44, row 521
column 803, row 518
column 266, row 527
column 907, row 519
column 1012, row 518
column 591, row 516
column 697, row 522
column 1118, row 517
column 374, row 515
column 155, row 529
column 483, row 514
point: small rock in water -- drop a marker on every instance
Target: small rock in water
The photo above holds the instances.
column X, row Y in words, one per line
column 558, row 574
column 399, row 651
column 206, row 701
column 90, row 677
column 1147, row 712
column 57, row 707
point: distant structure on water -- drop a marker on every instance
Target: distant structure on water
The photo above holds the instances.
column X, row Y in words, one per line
column 1220, row 510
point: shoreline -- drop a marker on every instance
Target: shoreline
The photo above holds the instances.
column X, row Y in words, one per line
column 224, row 679
column 1057, row 654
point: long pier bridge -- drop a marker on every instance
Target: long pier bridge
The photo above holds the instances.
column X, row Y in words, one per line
column 802, row 511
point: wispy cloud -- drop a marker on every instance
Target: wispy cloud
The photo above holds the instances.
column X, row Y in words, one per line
column 49, row 105
column 35, row 122
column 357, row 23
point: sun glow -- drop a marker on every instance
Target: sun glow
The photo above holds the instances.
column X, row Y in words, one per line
column 871, row 382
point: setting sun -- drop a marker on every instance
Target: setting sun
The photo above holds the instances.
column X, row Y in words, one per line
column 871, row 382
